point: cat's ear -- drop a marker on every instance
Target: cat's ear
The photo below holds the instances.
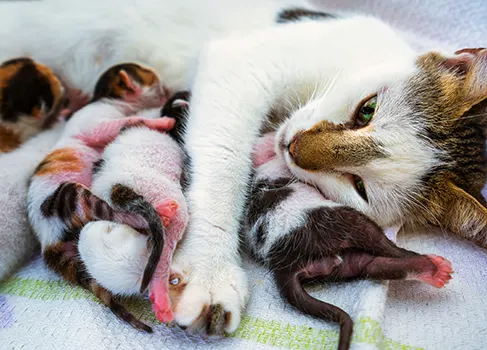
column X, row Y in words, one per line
column 463, row 215
column 462, row 60
column 471, row 65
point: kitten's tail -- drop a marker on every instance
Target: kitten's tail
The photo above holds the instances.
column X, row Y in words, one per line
column 125, row 198
column 291, row 288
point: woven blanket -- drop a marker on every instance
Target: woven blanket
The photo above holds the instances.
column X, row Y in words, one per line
column 39, row 311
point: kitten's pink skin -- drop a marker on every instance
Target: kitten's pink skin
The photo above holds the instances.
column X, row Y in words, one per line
column 264, row 150
column 161, row 304
column 87, row 156
column 439, row 276
column 167, row 210
column 158, row 153
column 106, row 132
column 159, row 287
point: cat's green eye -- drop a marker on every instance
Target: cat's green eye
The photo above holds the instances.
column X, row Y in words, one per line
column 360, row 187
column 365, row 112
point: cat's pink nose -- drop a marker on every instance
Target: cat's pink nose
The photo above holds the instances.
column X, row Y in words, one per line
column 292, row 147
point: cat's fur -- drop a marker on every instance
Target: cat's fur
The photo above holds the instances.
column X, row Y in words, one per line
column 31, row 100
column 301, row 235
column 326, row 67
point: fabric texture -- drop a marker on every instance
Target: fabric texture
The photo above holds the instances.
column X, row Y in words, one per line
column 39, row 311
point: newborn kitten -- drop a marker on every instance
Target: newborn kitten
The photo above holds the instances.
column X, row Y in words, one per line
column 147, row 165
column 59, row 202
column 293, row 229
column 31, row 100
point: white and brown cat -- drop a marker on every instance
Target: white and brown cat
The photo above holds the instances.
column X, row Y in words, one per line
column 358, row 109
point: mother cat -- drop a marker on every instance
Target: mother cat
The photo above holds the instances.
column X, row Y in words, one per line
column 371, row 123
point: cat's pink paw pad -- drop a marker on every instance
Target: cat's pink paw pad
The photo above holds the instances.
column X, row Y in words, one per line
column 441, row 276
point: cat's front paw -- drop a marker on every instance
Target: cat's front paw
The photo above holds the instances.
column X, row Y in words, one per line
column 214, row 299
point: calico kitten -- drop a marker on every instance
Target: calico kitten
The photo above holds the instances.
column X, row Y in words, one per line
column 302, row 236
column 31, row 100
column 241, row 64
column 59, row 202
column 141, row 166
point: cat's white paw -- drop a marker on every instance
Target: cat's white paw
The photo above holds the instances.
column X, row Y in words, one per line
column 214, row 298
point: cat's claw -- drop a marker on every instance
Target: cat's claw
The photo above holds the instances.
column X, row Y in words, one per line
column 213, row 300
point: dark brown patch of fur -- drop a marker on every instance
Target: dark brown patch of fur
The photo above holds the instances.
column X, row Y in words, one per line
column 297, row 14
column 127, row 199
column 329, row 232
column 178, row 113
column 9, row 139
column 24, row 85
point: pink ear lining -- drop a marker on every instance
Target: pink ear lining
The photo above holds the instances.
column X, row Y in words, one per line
column 464, row 58
column 130, row 84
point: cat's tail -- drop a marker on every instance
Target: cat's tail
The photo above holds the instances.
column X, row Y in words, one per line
column 290, row 285
column 127, row 199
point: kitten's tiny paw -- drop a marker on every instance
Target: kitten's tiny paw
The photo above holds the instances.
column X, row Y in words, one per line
column 161, row 306
column 440, row 276
column 213, row 300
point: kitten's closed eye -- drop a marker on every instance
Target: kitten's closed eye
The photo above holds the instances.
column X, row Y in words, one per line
column 365, row 112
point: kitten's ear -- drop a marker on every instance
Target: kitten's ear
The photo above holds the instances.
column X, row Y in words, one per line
column 463, row 215
column 125, row 78
column 470, row 65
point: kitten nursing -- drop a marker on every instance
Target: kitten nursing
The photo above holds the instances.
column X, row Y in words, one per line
column 59, row 200
column 141, row 166
column 31, row 100
column 302, row 236
column 388, row 134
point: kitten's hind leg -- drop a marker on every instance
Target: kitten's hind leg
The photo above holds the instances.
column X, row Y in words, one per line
column 431, row 269
column 365, row 234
